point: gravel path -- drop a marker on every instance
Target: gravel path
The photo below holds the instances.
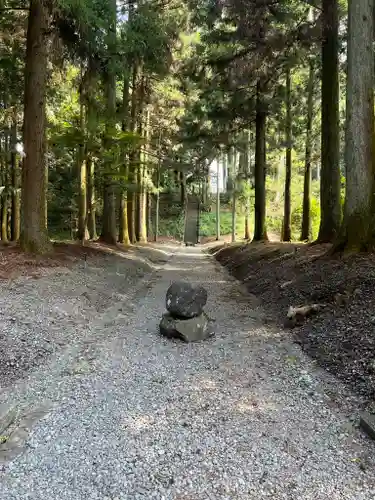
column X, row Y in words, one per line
column 124, row 414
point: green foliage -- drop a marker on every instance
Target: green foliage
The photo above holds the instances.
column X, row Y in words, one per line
column 208, row 223
column 146, row 39
column 297, row 219
column 172, row 227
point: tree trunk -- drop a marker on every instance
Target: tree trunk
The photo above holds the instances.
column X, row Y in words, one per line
column 157, row 207
column 124, row 229
column 82, row 201
column 232, row 176
column 4, row 213
column 234, row 208
column 34, row 236
column 248, row 187
column 247, row 219
column 306, row 217
column 357, row 232
column 218, row 198
column 142, row 207
column 5, row 185
column 16, row 200
column 149, row 217
column 46, row 173
column 287, row 232
column 142, row 236
column 123, row 225
column 330, row 164
column 82, row 234
column 131, row 200
column 132, row 173
column 91, row 208
column 109, row 232
column 260, row 232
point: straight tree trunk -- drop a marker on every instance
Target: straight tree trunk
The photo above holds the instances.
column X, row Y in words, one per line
column 91, row 131
column 91, row 207
column 287, row 232
column 16, row 200
column 157, row 208
column 218, row 198
column 234, row 209
column 123, row 225
column 306, row 216
column 82, row 234
column 5, row 191
column 34, row 237
column 247, row 219
column 248, row 186
column 142, row 237
column 82, row 201
column 132, row 174
column 260, row 232
column 357, row 232
column 330, row 163
column 46, row 170
column 132, row 201
column 232, row 175
column 181, row 176
column 149, row 217
column 124, row 229
column 109, row 232
column 142, row 207
column 4, row 213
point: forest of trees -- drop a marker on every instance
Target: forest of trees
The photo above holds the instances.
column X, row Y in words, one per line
column 106, row 104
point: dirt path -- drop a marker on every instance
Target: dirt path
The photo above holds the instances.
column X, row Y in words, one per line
column 124, row 414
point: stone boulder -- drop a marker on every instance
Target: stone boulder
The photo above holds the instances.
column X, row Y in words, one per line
column 185, row 300
column 188, row 330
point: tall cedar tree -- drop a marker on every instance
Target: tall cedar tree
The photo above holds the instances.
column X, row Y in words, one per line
column 287, row 231
column 358, row 226
column 306, row 208
column 330, row 169
column 34, row 236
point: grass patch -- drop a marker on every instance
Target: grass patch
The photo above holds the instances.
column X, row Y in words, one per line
column 208, row 224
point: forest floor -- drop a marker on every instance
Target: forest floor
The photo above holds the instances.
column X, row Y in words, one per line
column 341, row 337
column 113, row 411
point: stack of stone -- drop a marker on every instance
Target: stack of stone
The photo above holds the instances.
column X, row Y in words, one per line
column 185, row 318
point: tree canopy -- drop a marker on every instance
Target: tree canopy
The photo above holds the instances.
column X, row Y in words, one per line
column 107, row 105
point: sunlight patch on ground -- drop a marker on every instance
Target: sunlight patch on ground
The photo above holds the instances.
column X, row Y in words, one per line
column 250, row 405
column 138, row 423
column 205, row 384
column 174, row 268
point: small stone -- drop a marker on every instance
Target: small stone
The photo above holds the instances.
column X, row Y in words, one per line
column 185, row 300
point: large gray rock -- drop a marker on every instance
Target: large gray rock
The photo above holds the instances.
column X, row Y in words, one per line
column 185, row 300
column 189, row 330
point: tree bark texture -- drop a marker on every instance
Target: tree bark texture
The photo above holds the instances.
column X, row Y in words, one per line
column 260, row 232
column 306, row 204
column 330, row 163
column 16, row 198
column 91, row 204
column 109, row 232
column 34, row 236
column 287, row 232
column 358, row 226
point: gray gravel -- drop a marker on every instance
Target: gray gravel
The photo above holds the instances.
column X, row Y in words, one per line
column 127, row 414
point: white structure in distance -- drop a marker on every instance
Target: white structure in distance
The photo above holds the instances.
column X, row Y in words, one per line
column 213, row 169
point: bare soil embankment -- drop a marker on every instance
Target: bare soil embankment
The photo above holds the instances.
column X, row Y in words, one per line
column 341, row 336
